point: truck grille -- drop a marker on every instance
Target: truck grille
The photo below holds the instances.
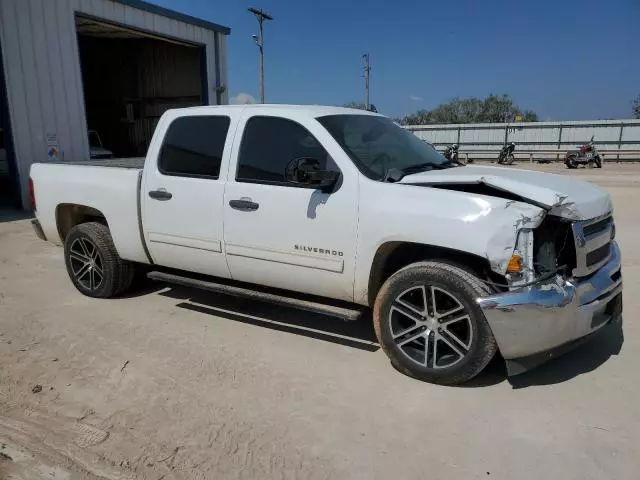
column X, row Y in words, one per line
column 593, row 244
column 598, row 255
column 593, row 228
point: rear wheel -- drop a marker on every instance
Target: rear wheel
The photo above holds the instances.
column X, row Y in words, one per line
column 429, row 324
column 570, row 162
column 93, row 264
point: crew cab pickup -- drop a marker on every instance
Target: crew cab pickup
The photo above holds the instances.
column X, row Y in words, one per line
column 336, row 209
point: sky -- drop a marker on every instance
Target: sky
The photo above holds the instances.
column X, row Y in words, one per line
column 564, row 59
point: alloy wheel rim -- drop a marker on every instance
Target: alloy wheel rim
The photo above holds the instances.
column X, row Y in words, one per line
column 86, row 263
column 431, row 327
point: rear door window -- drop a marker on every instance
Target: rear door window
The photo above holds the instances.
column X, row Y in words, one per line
column 193, row 146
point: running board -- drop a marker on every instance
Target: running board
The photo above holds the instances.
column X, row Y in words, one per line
column 350, row 314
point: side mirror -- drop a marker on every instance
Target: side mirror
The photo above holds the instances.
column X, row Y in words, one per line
column 307, row 171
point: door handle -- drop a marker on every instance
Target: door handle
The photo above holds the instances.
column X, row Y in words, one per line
column 160, row 194
column 244, row 204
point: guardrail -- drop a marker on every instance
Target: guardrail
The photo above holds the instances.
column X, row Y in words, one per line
column 547, row 155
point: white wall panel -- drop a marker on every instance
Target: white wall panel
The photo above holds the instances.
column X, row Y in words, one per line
column 631, row 133
column 561, row 136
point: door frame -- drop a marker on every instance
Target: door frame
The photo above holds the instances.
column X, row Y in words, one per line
column 15, row 196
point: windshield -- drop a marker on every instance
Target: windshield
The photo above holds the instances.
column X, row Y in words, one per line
column 377, row 144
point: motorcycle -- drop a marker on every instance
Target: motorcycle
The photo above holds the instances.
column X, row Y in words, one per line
column 451, row 153
column 587, row 155
column 506, row 154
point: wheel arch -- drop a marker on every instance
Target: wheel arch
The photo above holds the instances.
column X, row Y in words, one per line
column 392, row 256
column 68, row 215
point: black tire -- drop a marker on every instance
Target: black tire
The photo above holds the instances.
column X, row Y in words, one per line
column 511, row 159
column 466, row 288
column 117, row 274
column 570, row 163
column 598, row 162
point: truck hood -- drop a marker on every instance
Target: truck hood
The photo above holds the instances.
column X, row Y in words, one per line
column 560, row 195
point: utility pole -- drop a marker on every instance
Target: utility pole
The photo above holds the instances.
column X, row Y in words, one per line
column 261, row 15
column 367, row 70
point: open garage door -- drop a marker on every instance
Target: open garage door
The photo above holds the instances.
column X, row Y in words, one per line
column 9, row 181
column 130, row 78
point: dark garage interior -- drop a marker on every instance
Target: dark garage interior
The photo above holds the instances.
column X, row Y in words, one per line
column 9, row 184
column 130, row 78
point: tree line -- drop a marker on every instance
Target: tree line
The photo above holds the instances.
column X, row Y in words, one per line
column 492, row 109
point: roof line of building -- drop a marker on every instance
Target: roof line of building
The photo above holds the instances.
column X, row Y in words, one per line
column 165, row 12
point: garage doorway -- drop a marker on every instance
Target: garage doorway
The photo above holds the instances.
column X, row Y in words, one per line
column 130, row 78
column 9, row 179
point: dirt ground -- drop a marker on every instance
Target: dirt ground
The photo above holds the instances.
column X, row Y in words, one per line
column 170, row 383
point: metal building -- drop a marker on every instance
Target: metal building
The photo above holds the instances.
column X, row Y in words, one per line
column 90, row 78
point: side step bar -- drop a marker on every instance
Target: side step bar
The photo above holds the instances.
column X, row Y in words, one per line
column 345, row 313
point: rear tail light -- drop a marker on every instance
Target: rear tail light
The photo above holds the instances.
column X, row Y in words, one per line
column 32, row 195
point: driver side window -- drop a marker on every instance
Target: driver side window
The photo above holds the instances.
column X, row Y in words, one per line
column 269, row 144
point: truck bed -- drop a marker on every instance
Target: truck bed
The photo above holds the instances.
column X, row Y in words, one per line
column 135, row 163
column 110, row 187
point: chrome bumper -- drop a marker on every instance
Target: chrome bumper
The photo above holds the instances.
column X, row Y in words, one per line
column 556, row 312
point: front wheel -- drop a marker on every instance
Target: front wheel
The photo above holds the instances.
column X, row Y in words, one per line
column 598, row 162
column 93, row 264
column 428, row 323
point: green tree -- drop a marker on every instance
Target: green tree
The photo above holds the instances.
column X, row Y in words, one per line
column 530, row 116
column 421, row 117
column 636, row 107
column 358, row 105
column 498, row 109
column 493, row 109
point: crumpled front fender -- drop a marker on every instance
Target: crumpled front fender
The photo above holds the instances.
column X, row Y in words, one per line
column 502, row 242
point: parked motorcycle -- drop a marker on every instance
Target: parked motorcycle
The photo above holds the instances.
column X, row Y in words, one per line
column 587, row 155
column 506, row 154
column 451, row 153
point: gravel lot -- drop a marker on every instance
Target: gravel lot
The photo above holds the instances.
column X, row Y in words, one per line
column 171, row 383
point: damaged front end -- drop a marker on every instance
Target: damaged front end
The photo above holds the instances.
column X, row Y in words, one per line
column 570, row 286
column 546, row 250
column 553, row 243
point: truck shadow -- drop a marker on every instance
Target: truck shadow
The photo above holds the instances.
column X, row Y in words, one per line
column 583, row 359
column 358, row 334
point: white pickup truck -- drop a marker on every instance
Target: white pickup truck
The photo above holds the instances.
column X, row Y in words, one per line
column 457, row 262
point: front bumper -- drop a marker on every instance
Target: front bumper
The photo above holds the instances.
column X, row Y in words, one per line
column 546, row 317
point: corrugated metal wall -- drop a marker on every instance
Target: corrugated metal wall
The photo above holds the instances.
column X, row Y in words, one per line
column 561, row 136
column 42, row 69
